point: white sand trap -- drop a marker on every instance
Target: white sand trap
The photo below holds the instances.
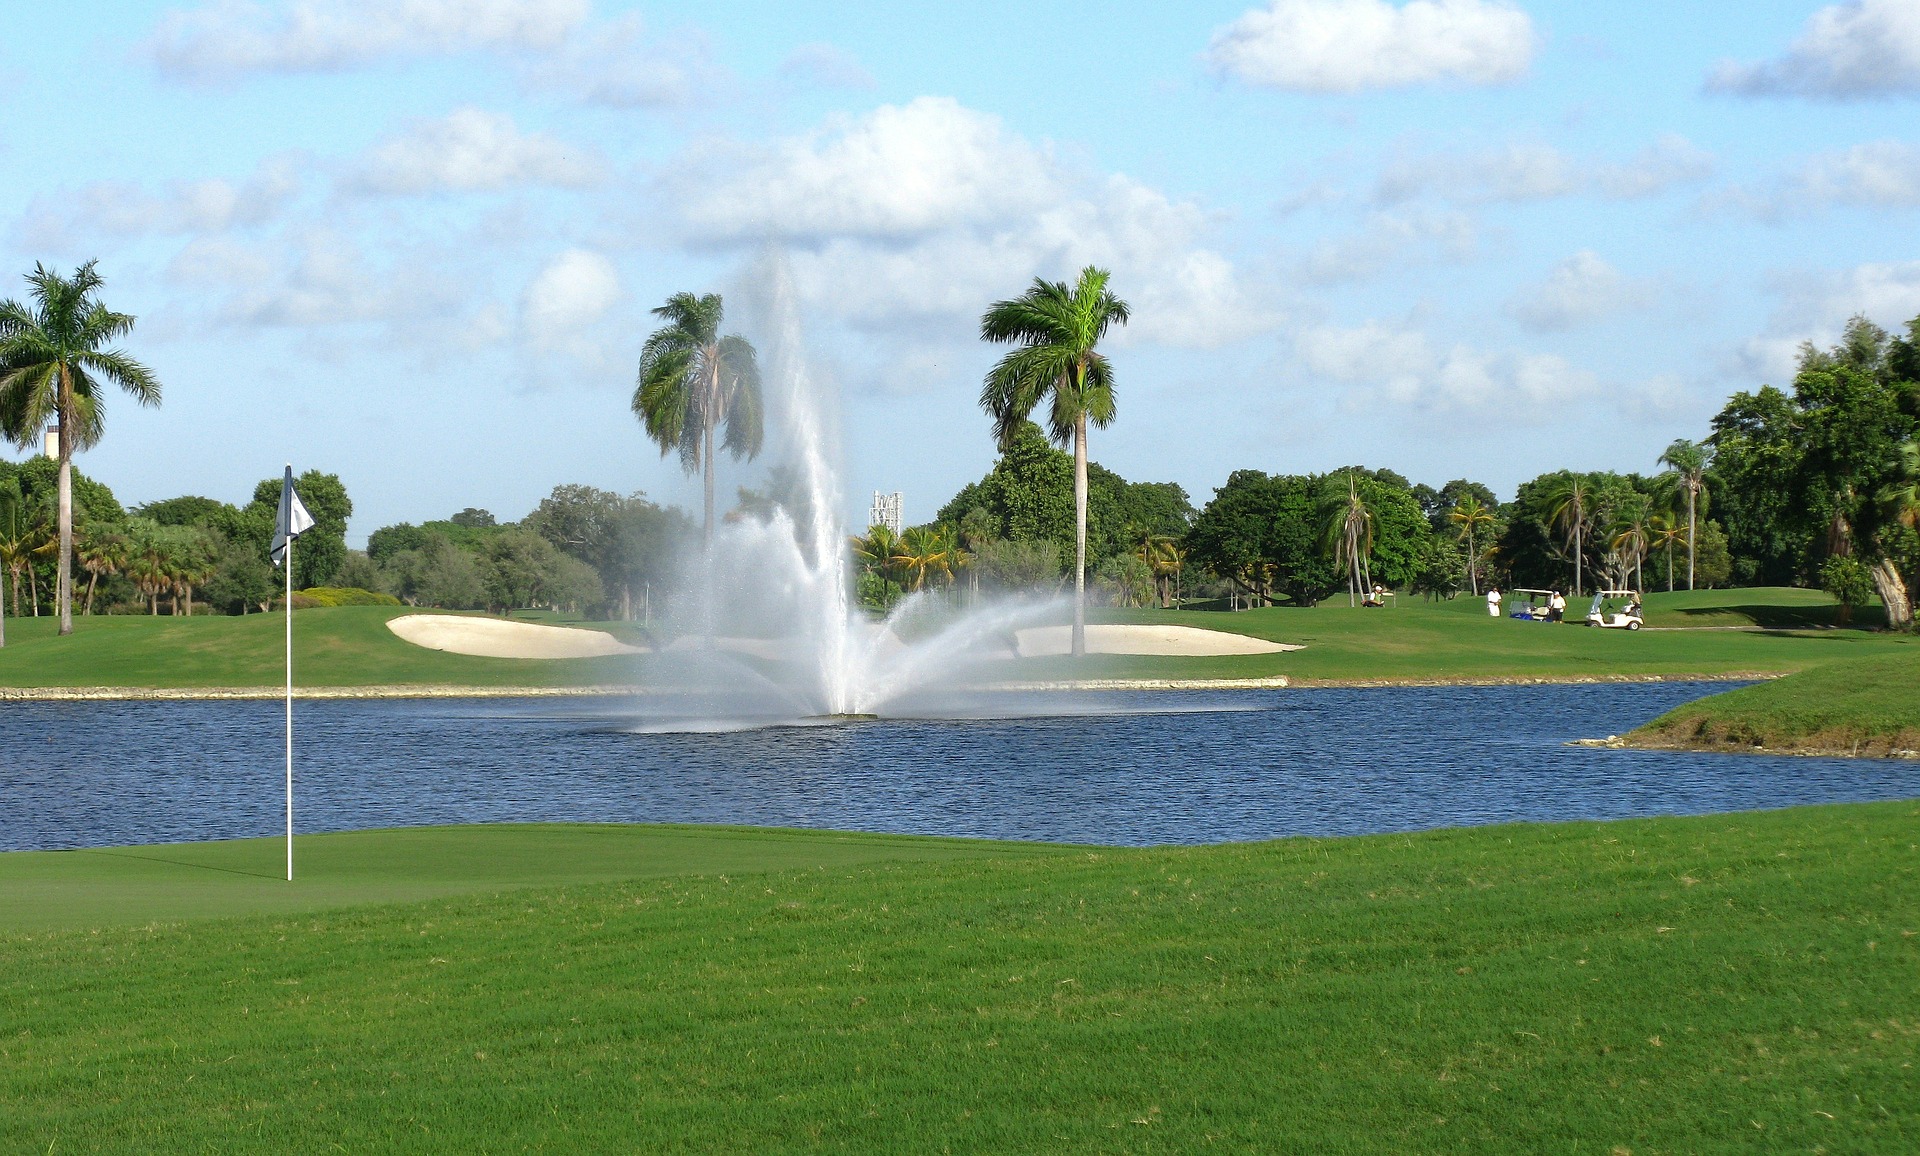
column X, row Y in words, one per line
column 1042, row 641
column 498, row 638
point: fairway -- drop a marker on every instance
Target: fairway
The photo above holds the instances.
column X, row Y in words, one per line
column 1729, row 983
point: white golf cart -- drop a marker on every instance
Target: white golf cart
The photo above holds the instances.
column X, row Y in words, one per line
column 1529, row 605
column 1616, row 610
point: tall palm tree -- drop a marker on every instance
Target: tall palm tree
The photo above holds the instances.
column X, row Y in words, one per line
column 1470, row 515
column 694, row 381
column 1567, row 512
column 1350, row 533
column 101, row 550
column 149, row 560
column 1689, row 461
column 1056, row 329
column 924, row 552
column 54, row 360
column 11, row 505
column 1664, row 533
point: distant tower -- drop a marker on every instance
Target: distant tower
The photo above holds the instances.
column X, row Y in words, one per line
column 886, row 511
column 50, row 445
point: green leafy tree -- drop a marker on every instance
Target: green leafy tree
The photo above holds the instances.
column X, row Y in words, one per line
column 323, row 548
column 56, row 358
column 1850, row 583
column 1056, row 330
column 694, row 383
column 1469, row 517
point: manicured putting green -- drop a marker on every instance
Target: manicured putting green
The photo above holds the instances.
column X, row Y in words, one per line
column 1728, row 983
column 109, row 886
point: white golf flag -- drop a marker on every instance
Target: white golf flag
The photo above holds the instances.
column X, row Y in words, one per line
column 292, row 521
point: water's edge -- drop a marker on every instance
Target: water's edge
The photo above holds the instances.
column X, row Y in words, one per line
column 439, row 691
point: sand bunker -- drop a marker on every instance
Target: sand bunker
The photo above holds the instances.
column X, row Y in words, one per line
column 498, row 638
column 1042, row 641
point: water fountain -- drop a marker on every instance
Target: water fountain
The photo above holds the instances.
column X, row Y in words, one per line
column 770, row 629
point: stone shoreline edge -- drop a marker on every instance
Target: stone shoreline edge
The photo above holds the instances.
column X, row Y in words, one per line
column 441, row 691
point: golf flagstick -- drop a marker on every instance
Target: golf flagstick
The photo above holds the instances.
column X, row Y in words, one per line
column 292, row 521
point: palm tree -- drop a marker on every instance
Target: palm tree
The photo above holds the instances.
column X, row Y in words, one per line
column 1664, row 532
column 1689, row 461
column 1056, row 328
column 1630, row 536
column 149, row 560
column 11, row 512
column 1350, row 533
column 24, row 536
column 876, row 550
column 52, row 367
column 101, row 550
column 1469, row 514
column 693, row 381
column 1567, row 512
column 924, row 552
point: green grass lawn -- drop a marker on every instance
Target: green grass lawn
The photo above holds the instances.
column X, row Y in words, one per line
column 350, row 646
column 1732, row 983
column 1870, row 706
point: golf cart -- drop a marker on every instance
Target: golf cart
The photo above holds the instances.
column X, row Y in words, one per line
column 1615, row 610
column 1529, row 605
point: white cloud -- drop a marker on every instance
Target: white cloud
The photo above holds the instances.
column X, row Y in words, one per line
column 1815, row 306
column 124, row 209
column 1533, row 171
column 920, row 213
column 826, row 66
column 899, row 171
column 1401, row 367
column 620, row 64
column 1354, row 45
column 1579, row 290
column 1884, row 173
column 1863, row 48
column 472, row 150
column 232, row 37
column 563, row 302
column 1391, row 240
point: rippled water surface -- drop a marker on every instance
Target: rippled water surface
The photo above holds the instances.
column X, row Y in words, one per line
column 1118, row 768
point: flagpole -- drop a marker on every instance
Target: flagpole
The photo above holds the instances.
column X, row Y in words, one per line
column 289, row 569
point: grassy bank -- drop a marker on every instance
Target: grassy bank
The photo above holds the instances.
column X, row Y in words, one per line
column 1775, row 631
column 1723, row 984
column 1866, row 707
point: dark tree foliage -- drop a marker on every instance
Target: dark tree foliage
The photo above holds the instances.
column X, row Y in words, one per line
column 1028, row 497
column 322, row 548
column 474, row 518
column 388, row 541
column 1263, row 533
column 39, row 479
column 629, row 541
column 188, row 510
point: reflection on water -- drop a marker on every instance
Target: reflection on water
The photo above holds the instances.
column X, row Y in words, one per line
column 1158, row 767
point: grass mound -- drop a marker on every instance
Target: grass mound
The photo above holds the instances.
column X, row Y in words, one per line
column 1868, row 706
column 1732, row 983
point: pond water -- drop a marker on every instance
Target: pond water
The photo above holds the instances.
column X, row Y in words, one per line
column 1143, row 768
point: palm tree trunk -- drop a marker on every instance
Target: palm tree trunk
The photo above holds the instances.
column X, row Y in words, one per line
column 1080, row 536
column 1690, row 533
column 706, row 462
column 1579, row 552
column 3, row 608
column 63, row 580
column 1473, row 564
column 33, row 589
column 93, row 579
column 1893, row 593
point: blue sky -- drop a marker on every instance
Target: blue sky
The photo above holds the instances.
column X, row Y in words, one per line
column 415, row 242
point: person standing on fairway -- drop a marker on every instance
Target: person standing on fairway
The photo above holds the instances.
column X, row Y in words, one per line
column 1493, row 602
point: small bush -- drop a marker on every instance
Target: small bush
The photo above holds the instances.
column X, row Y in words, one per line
column 342, row 596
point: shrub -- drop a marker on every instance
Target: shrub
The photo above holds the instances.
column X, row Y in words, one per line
column 343, row 596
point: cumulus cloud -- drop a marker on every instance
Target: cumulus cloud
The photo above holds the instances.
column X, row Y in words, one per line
column 1882, row 173
column 920, row 212
column 1388, row 240
column 473, row 150
column 125, row 209
column 901, row 170
column 1354, row 45
column 1403, row 367
column 566, row 298
column 229, row 38
column 1815, row 305
column 1579, row 290
column 1859, row 49
column 1532, row 171
column 623, row 64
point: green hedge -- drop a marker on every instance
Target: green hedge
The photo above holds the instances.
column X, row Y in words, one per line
column 344, row 596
